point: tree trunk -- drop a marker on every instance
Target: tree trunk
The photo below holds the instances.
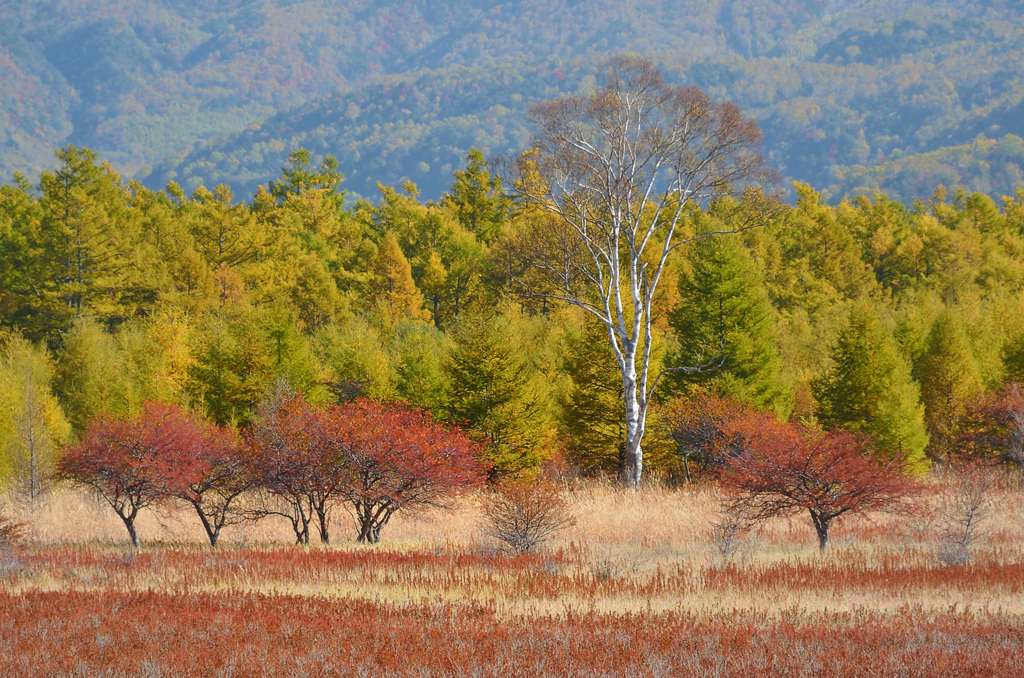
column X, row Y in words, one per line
column 634, row 464
column 634, row 426
column 821, row 525
column 686, row 468
column 323, row 520
column 369, row 530
column 129, row 522
column 371, row 522
column 369, row 534
column 212, row 533
column 300, row 524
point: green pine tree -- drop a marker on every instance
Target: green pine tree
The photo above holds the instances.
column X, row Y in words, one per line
column 870, row 389
column 477, row 198
column 590, row 404
column 725, row 318
column 418, row 356
column 491, row 392
column 88, row 380
column 234, row 366
column 949, row 379
column 86, row 239
column 356, row 360
column 298, row 177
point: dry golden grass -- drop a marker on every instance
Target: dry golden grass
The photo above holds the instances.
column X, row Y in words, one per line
column 612, row 560
column 655, row 522
column 73, row 516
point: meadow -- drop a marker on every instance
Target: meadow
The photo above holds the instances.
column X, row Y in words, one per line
column 638, row 586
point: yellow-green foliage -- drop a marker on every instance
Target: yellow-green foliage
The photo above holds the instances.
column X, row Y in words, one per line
column 493, row 391
column 205, row 300
column 32, row 423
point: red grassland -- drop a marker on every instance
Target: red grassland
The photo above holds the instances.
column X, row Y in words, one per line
column 155, row 634
column 76, row 610
column 597, row 603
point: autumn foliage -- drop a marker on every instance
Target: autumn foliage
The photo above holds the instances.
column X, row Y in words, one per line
column 397, row 458
column 221, row 474
column 995, row 427
column 142, row 461
column 376, row 458
column 697, row 426
column 786, row 468
column 296, row 462
column 305, row 460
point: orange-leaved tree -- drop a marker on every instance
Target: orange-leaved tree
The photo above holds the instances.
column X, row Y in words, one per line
column 138, row 462
column 295, row 459
column 222, row 473
column 785, row 468
column 697, row 424
column 398, row 458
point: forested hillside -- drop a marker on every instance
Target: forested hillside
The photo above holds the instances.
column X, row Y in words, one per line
column 852, row 96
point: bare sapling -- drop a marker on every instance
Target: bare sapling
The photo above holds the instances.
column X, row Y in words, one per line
column 967, row 506
column 11, row 532
column 730, row 533
column 32, row 449
column 524, row 515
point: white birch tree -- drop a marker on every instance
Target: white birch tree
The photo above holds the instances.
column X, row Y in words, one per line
column 616, row 173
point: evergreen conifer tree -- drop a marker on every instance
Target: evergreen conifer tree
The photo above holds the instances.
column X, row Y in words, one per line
column 87, row 379
column 870, row 389
column 298, row 177
column 477, row 198
column 724, row 311
column 949, row 378
column 418, row 354
column 490, row 392
column 234, row 367
column 590, row 405
column 86, row 237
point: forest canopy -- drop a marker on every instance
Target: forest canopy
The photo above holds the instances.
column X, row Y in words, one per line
column 115, row 296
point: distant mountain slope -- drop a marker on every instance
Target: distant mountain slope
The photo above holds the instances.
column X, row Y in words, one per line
column 141, row 79
column 416, row 127
column 221, row 91
column 991, row 166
